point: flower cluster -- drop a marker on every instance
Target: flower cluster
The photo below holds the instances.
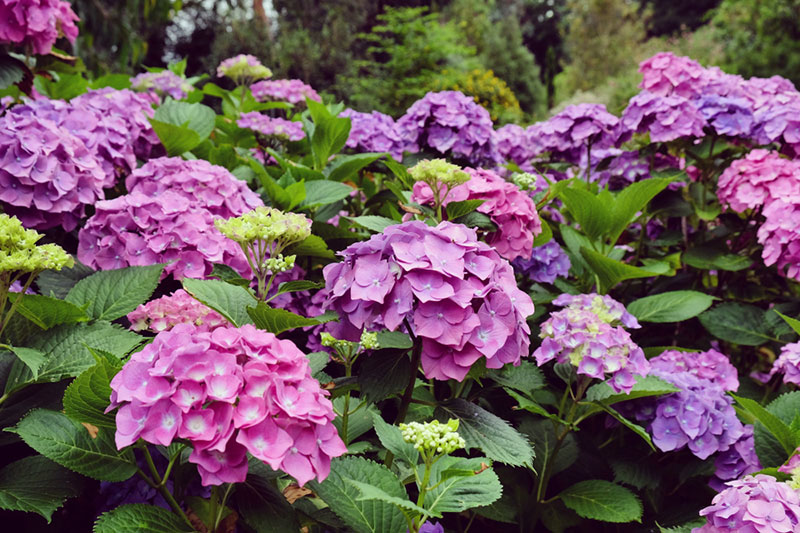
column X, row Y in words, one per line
column 450, row 122
column 37, row 24
column 452, row 292
column 511, row 210
column 624, row 168
column 433, row 438
column 292, row 91
column 271, row 126
column 726, row 115
column 758, row 179
column 666, row 118
column 47, row 174
column 163, row 314
column 571, row 132
column 547, row 262
column 710, row 365
column 228, row 391
column 19, row 252
column 788, row 364
column 755, row 504
column 666, row 74
column 243, row 68
column 588, row 334
column 374, row 132
column 165, row 83
column 738, row 460
column 518, row 145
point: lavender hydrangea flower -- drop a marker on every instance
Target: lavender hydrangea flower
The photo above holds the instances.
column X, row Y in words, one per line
column 568, row 134
column 788, row 364
column 450, row 122
column 272, row 127
column 36, row 24
column 165, row 83
column 518, row 145
column 547, row 262
column 292, row 91
column 623, row 169
column 588, row 335
column 374, row 132
column 755, row 504
column 47, row 174
column 779, row 121
column 666, row 118
column 710, row 365
column 738, row 460
column 726, row 115
column 453, row 292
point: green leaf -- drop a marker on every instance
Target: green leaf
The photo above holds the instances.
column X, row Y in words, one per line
column 230, row 301
column 197, row 117
column 329, row 133
column 66, row 87
column 344, row 167
column 140, row 518
column 383, row 373
column 115, row 81
column 635, row 473
column 323, row 192
column 112, row 294
column 643, row 388
column 770, row 451
column 543, row 436
column 610, row 271
column 636, row 428
column 488, row 432
column 474, row 219
column 459, row 493
column 261, row 505
column 588, row 210
column 365, row 516
column 88, row 396
column 392, row 439
column 33, row 359
column 298, row 285
column 279, row 320
column 602, row 500
column 530, row 405
column 57, row 283
column 525, row 378
column 779, row 429
column 313, row 246
column 69, row 444
column 228, row 275
column 11, row 71
column 707, row 258
column 793, row 322
column 675, row 306
column 371, row 492
column 176, row 139
column 545, row 236
column 36, row 484
column 737, row 323
column 47, row 312
column 394, row 339
column 374, row 222
column 459, row 209
column 631, row 200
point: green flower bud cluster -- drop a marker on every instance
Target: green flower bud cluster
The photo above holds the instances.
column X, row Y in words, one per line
column 523, row 180
column 19, row 252
column 243, row 70
column 433, row 171
column 433, row 438
column 280, row 263
column 267, row 224
column 369, row 340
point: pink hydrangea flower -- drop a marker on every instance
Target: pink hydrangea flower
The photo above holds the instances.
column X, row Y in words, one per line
column 788, row 364
column 292, row 91
column 666, row 74
column 513, row 211
column 710, row 365
column 440, row 283
column 37, row 24
column 780, row 236
column 163, row 314
column 666, row 118
column 271, row 126
column 227, row 392
column 757, row 179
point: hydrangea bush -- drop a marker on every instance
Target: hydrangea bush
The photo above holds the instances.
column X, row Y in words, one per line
column 253, row 309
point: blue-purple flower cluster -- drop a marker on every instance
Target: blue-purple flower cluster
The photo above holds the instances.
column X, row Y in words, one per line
column 374, row 132
column 547, row 262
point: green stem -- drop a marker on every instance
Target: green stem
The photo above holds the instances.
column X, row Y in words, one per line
column 416, row 356
column 163, row 489
column 17, row 300
column 423, row 488
column 213, row 501
column 218, row 517
column 348, row 371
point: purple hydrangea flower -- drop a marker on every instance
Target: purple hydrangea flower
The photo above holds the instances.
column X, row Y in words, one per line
column 738, row 460
column 292, row 91
column 624, row 168
column 710, row 365
column 726, row 115
column 518, row 145
column 755, row 504
column 374, row 132
column 779, row 121
column 547, row 262
column 244, row 59
column 165, row 83
column 47, row 174
column 452, row 291
column 450, row 122
column 431, row 527
column 568, row 134
column 788, row 364
column 269, row 126
column 588, row 335
column 666, row 118
column 36, row 24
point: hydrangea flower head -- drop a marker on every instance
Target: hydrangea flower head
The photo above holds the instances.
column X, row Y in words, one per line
column 666, row 118
column 452, row 292
column 515, row 144
column 666, row 74
column 20, row 253
column 568, row 134
column 780, row 236
column 727, row 115
column 243, row 68
column 374, row 132
column 433, row 438
column 227, row 392
column 292, row 91
column 163, row 314
column 755, row 504
column 547, row 262
column 272, row 126
column 757, row 179
column 165, row 83
column 588, row 334
column 435, row 171
column 788, row 364
column 36, row 24
column 738, row 460
column 271, row 225
column 450, row 123
column 779, row 121
column 47, row 174
column 710, row 365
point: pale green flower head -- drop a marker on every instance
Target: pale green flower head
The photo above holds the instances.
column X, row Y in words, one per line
column 432, row 171
column 19, row 252
column 243, row 68
column 524, row 180
column 369, row 340
column 267, row 224
column 433, row 438
column 280, row 263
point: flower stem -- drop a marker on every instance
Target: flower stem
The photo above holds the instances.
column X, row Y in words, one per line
column 162, row 489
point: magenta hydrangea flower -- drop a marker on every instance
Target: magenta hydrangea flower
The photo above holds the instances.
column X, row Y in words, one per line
column 163, row 314
column 512, row 211
column 568, row 134
column 450, row 122
column 227, row 392
column 666, row 74
column 374, row 132
column 208, row 186
column 710, row 365
column 292, row 91
column 134, row 109
column 738, row 460
column 755, row 504
column 780, row 236
column 165, row 83
column 547, row 262
column 270, row 126
column 757, row 179
column 666, row 118
column 36, row 24
column 47, row 175
column 138, row 229
column 588, row 334
column 448, row 289
column 788, row 364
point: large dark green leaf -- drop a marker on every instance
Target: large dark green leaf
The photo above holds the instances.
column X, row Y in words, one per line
column 602, row 500
column 111, row 294
column 674, row 306
column 37, row 484
column 738, row 323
